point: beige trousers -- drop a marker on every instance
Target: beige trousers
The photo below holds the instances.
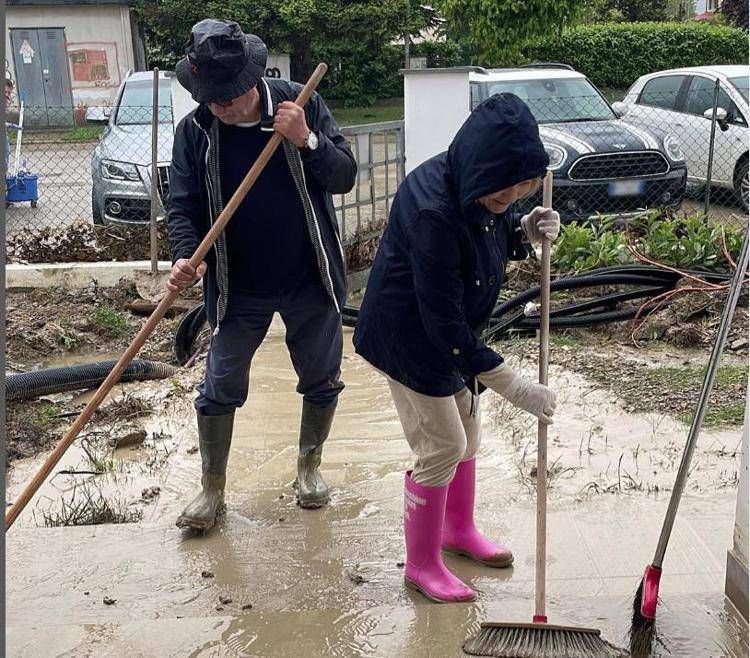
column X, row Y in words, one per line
column 441, row 431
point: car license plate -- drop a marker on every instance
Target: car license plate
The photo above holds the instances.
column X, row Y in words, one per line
column 627, row 187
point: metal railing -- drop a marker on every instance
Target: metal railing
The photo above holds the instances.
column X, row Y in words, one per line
column 379, row 151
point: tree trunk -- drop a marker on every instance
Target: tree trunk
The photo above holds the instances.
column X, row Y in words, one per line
column 301, row 60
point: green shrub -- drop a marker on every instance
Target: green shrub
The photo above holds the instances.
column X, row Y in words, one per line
column 358, row 79
column 684, row 242
column 587, row 246
column 688, row 242
column 616, row 54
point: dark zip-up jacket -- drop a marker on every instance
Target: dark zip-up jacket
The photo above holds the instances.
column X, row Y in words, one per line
column 195, row 198
column 442, row 259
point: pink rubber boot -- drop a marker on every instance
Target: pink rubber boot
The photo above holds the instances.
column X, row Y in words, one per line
column 424, row 509
column 460, row 535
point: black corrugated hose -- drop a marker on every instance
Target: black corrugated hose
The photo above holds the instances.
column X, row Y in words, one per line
column 27, row 385
column 508, row 315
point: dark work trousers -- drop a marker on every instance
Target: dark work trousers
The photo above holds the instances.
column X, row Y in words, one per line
column 313, row 336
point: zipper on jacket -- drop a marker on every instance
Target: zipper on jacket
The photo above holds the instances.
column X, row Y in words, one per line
column 500, row 259
column 317, row 232
column 211, row 209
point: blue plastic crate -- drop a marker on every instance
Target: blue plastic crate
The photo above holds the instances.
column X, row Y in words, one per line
column 22, row 187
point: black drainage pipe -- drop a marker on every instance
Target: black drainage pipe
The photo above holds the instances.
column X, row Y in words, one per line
column 27, row 385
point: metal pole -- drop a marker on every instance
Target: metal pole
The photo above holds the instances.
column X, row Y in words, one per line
column 406, row 38
column 707, row 199
column 154, row 175
column 19, row 137
column 700, row 411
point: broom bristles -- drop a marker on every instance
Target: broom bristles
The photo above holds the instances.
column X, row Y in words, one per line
column 539, row 641
column 641, row 628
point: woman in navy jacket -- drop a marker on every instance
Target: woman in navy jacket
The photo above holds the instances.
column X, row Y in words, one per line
column 434, row 283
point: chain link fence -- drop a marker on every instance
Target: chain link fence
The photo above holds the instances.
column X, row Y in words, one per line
column 85, row 193
column 675, row 150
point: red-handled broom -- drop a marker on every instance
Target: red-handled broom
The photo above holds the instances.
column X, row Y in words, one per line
column 646, row 597
column 539, row 639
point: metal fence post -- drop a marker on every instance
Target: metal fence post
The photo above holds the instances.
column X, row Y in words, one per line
column 154, row 175
column 707, row 200
column 402, row 155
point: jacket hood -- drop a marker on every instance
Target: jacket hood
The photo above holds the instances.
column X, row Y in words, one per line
column 497, row 147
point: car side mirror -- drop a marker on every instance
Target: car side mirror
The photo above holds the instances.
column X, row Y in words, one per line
column 98, row 114
column 620, row 109
column 722, row 117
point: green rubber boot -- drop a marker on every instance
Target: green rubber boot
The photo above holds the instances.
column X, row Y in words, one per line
column 214, row 439
column 312, row 491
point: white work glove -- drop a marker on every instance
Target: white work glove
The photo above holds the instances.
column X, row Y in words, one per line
column 537, row 399
column 541, row 223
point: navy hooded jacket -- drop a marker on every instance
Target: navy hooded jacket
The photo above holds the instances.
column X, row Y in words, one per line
column 442, row 259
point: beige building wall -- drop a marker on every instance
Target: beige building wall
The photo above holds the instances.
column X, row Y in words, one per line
column 98, row 33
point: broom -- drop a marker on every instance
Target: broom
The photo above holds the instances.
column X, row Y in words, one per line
column 646, row 597
column 538, row 639
column 31, row 488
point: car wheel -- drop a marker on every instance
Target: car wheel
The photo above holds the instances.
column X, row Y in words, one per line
column 742, row 183
column 96, row 211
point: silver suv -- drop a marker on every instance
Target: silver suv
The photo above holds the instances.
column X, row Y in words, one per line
column 121, row 162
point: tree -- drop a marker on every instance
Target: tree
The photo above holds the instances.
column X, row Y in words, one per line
column 351, row 36
column 495, row 31
column 639, row 11
column 628, row 11
column 736, row 13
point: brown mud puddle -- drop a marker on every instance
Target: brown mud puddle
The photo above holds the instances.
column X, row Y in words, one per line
column 330, row 582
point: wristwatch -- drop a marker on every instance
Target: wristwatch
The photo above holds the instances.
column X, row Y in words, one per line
column 311, row 141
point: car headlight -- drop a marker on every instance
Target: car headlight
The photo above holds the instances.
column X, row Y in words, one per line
column 557, row 156
column 119, row 170
column 672, row 147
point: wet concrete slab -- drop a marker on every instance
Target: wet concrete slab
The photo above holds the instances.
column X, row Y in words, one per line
column 329, row 582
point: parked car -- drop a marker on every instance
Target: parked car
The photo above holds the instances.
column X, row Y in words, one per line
column 602, row 165
column 682, row 101
column 121, row 162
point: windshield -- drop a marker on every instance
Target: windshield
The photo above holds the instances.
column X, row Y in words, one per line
column 556, row 101
column 741, row 84
column 137, row 102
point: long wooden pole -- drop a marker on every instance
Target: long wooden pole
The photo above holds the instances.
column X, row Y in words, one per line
column 154, row 174
column 541, row 464
column 130, row 353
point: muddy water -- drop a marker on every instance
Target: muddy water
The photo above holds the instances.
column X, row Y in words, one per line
column 595, row 448
column 328, row 582
column 125, row 472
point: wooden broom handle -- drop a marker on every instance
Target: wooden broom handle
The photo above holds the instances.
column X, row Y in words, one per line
column 541, row 465
column 134, row 347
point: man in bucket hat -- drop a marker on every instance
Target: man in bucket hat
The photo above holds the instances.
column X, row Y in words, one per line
column 281, row 251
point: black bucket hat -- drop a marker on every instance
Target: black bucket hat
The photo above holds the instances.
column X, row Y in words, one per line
column 221, row 62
